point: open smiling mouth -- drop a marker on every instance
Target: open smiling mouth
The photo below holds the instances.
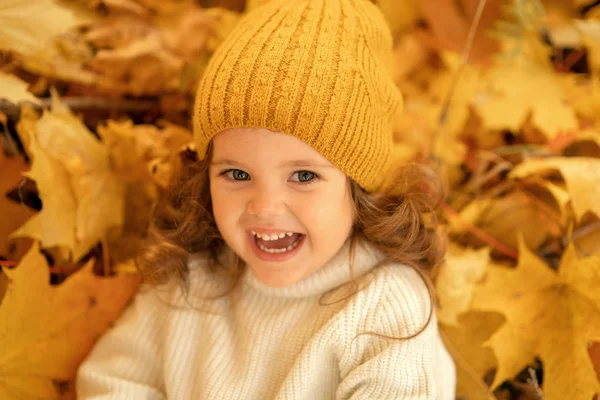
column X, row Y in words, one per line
column 277, row 243
column 281, row 248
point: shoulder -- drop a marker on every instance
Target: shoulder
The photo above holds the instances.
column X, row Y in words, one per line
column 399, row 300
column 396, row 351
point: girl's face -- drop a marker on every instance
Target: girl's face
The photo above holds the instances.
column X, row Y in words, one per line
column 278, row 203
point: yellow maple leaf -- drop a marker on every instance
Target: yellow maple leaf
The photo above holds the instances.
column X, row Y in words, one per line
column 549, row 315
column 46, row 331
column 463, row 267
column 14, row 89
column 521, row 86
column 581, row 174
column 473, row 361
column 82, row 196
column 26, row 26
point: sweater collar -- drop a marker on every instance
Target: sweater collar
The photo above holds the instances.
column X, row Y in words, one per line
column 331, row 275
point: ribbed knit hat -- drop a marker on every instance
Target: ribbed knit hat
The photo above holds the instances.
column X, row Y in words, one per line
column 319, row 70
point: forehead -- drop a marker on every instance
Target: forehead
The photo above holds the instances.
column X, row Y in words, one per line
column 253, row 144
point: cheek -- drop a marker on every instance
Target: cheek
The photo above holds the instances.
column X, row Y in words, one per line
column 225, row 207
column 329, row 212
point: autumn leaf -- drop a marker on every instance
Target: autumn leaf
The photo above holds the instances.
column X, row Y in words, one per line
column 456, row 280
column 144, row 152
column 46, row 331
column 26, row 26
column 551, row 315
column 142, row 67
column 590, row 31
column 581, row 175
column 400, row 14
column 520, row 85
column 450, row 21
column 81, row 195
column 14, row 214
column 473, row 361
column 502, row 218
column 14, row 89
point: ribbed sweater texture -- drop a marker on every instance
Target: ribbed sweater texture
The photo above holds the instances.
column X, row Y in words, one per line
column 260, row 342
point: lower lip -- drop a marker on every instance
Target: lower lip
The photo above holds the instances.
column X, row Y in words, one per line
column 274, row 257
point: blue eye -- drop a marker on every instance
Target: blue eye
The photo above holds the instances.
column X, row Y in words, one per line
column 236, row 174
column 304, row 177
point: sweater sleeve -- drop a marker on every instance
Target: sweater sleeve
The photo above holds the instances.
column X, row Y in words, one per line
column 420, row 368
column 126, row 361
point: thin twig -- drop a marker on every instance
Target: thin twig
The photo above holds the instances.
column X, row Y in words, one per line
column 571, row 60
column 492, row 241
column 585, row 230
column 465, row 60
column 8, row 263
column 577, row 234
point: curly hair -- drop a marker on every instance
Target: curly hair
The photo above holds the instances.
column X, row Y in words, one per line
column 400, row 221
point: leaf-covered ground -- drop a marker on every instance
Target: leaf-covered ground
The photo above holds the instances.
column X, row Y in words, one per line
column 503, row 95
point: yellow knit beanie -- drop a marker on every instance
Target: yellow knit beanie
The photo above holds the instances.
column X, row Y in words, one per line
column 319, row 70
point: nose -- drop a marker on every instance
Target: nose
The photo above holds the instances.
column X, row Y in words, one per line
column 266, row 202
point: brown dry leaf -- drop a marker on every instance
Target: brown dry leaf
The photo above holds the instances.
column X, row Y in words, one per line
column 143, row 67
column 463, row 267
column 81, row 195
column 118, row 32
column 45, row 64
column 121, row 6
column 550, row 315
column 503, row 219
column 14, row 215
column 473, row 360
column 14, row 89
column 144, row 152
column 65, row 59
column 450, row 22
column 46, row 331
column 581, row 174
column 27, row 26
column 208, row 27
column 559, row 194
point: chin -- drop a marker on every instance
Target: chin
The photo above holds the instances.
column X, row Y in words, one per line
column 278, row 278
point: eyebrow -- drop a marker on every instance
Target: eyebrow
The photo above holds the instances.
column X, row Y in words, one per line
column 289, row 163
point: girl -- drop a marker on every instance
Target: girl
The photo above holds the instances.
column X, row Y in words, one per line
column 293, row 258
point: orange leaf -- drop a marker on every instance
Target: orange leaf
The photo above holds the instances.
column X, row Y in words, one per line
column 46, row 331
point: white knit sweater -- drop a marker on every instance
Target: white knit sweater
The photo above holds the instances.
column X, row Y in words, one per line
column 261, row 342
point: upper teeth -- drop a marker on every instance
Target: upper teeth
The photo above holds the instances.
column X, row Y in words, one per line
column 274, row 236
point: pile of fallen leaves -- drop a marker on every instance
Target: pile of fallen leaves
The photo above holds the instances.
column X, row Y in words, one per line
column 503, row 95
